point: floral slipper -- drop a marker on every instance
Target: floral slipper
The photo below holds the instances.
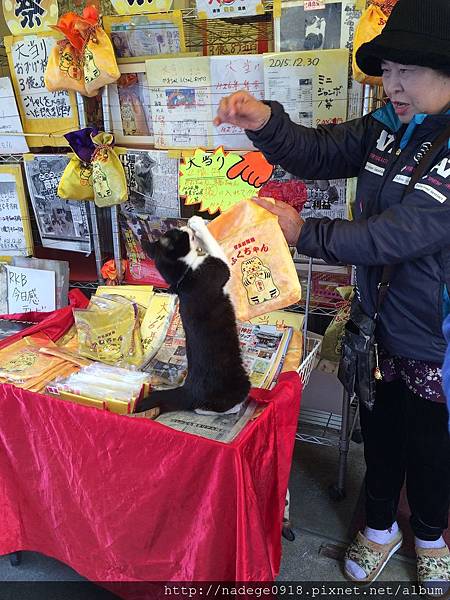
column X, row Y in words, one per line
column 370, row 556
column 433, row 570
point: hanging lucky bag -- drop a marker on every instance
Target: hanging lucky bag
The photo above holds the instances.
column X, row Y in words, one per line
column 76, row 181
column 99, row 61
column 64, row 69
column 370, row 25
column 263, row 274
column 108, row 176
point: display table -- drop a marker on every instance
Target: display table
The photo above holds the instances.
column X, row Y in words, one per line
column 120, row 498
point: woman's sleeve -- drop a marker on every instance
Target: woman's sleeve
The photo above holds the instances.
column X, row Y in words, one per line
column 328, row 152
column 418, row 226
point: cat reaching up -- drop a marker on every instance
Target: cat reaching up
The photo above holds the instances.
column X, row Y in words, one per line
column 196, row 268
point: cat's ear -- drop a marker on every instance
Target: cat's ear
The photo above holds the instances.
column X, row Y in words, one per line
column 149, row 248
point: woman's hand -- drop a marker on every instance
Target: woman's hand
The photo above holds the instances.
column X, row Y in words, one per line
column 290, row 221
column 243, row 110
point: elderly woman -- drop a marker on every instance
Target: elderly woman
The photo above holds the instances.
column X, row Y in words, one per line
column 405, row 434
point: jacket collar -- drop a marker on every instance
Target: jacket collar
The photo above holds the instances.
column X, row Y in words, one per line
column 387, row 116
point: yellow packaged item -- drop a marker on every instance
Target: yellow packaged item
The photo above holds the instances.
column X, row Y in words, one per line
column 370, row 25
column 263, row 275
column 64, row 69
column 76, row 181
column 99, row 60
column 107, row 331
column 293, row 358
column 140, row 294
column 108, row 175
column 156, row 323
column 22, row 360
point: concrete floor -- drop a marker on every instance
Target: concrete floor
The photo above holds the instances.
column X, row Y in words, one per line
column 320, row 526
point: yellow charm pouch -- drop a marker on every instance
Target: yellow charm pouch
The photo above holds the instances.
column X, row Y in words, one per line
column 108, row 175
column 76, row 180
column 99, row 61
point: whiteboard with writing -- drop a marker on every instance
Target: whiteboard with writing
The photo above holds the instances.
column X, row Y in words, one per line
column 10, row 121
column 30, row 290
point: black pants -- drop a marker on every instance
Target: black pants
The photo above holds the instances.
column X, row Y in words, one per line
column 405, row 435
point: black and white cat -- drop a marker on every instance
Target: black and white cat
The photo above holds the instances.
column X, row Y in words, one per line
column 195, row 266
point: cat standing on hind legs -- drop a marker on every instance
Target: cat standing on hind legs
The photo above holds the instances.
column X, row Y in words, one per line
column 195, row 266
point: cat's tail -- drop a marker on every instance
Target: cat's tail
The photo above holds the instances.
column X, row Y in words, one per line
column 166, row 400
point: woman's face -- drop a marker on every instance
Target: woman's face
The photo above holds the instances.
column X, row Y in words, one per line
column 413, row 89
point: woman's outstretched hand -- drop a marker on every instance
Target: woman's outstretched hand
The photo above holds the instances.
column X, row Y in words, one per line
column 290, row 221
column 243, row 110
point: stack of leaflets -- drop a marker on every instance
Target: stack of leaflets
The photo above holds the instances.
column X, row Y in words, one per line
column 263, row 349
column 168, row 367
column 155, row 324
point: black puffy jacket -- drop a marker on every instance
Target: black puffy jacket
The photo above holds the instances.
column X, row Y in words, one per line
column 412, row 234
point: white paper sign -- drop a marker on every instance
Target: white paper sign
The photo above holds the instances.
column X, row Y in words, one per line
column 228, row 75
column 12, row 235
column 10, row 121
column 30, row 290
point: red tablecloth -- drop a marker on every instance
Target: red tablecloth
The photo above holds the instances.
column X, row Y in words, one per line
column 122, row 499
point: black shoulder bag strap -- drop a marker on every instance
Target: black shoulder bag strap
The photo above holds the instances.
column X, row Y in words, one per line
column 421, row 168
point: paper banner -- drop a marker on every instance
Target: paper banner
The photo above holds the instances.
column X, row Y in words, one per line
column 226, row 9
column 24, row 17
column 216, row 179
column 138, row 7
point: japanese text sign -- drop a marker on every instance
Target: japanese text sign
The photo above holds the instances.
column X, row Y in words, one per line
column 219, row 180
column 30, row 16
column 30, row 290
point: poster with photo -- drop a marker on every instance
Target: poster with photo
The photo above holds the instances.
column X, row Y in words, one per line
column 152, row 178
column 134, row 228
column 324, row 197
column 62, row 224
column 146, row 35
column 128, row 103
column 330, row 26
column 180, row 100
column 312, row 86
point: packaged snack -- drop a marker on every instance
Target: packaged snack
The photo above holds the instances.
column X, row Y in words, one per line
column 263, row 274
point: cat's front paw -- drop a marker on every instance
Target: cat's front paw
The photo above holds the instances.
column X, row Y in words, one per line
column 197, row 224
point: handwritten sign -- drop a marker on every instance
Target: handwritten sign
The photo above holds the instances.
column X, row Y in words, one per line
column 15, row 229
column 312, row 86
column 30, row 16
column 10, row 121
column 204, row 178
column 30, row 290
column 41, row 111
